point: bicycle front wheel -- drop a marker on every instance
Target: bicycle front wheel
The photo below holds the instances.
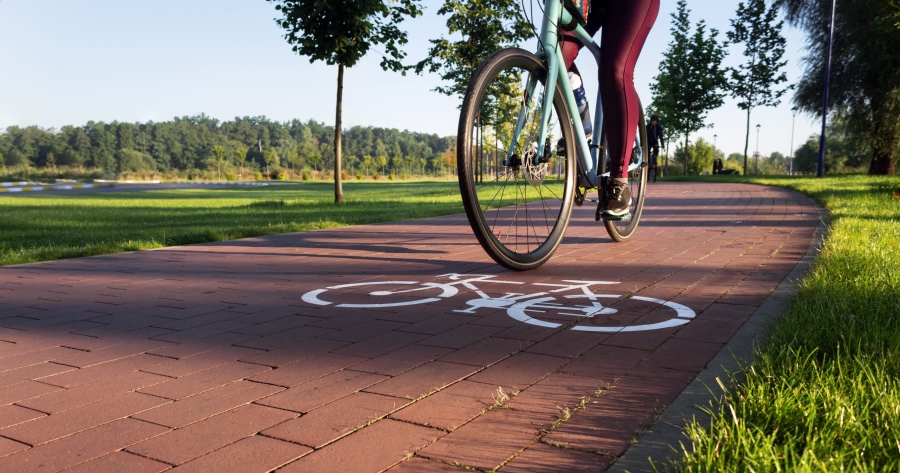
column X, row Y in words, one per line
column 621, row 230
column 518, row 203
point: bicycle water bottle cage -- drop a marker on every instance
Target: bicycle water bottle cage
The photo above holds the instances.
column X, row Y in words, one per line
column 579, row 10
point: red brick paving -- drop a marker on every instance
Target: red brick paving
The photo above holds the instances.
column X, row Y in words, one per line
column 206, row 357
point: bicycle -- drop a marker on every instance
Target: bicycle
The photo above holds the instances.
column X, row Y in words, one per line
column 508, row 95
column 654, row 155
column 532, row 308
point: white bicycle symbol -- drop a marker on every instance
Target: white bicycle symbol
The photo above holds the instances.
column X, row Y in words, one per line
column 519, row 306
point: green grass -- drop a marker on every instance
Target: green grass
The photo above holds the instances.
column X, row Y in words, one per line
column 823, row 392
column 37, row 227
column 42, row 227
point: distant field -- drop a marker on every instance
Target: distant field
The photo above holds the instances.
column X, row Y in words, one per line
column 47, row 227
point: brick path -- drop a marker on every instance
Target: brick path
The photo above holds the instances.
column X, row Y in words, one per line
column 206, row 357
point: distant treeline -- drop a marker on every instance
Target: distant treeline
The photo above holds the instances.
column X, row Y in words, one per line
column 204, row 143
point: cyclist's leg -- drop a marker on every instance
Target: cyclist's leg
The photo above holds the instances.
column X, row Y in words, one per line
column 627, row 25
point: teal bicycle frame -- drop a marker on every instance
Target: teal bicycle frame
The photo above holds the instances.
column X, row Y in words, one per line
column 587, row 154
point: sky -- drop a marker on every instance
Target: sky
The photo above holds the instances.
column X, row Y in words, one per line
column 68, row 62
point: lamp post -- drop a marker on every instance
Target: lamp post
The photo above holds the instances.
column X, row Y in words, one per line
column 820, row 168
column 793, row 120
column 756, row 155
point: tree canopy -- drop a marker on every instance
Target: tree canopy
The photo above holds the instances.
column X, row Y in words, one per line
column 865, row 85
column 189, row 143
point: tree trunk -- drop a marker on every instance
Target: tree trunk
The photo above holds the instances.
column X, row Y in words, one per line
column 747, row 140
column 686, row 153
column 883, row 145
column 338, row 189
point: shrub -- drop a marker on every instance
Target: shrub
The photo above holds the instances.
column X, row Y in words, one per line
column 230, row 177
column 306, row 175
column 257, row 175
column 360, row 177
column 376, row 176
column 345, row 175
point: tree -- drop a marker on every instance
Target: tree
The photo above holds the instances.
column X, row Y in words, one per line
column 270, row 157
column 341, row 32
column 219, row 154
column 480, row 28
column 382, row 162
column 690, row 76
column 366, row 162
column 240, row 156
column 865, row 86
column 754, row 83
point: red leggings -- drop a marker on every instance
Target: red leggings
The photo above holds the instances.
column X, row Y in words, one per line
column 626, row 24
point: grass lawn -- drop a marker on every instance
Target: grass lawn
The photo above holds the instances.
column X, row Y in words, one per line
column 35, row 227
column 41, row 227
column 823, row 392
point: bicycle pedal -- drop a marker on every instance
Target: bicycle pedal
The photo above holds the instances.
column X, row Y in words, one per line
column 617, row 218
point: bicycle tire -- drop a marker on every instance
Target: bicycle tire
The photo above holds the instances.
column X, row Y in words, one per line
column 508, row 255
column 637, row 179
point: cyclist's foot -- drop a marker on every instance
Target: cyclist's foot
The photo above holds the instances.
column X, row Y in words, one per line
column 615, row 201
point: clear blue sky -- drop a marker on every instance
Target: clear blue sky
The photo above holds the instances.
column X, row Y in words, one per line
column 67, row 62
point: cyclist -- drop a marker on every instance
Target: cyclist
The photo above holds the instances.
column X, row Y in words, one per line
column 626, row 25
column 655, row 138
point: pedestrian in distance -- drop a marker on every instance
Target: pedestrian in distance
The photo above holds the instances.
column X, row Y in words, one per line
column 655, row 139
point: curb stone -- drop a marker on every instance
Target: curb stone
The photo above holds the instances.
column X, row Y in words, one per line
column 223, row 183
column 659, row 444
column 53, row 188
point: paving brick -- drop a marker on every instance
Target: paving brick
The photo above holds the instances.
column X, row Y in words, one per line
column 33, row 358
column 684, row 354
column 420, row 381
column 120, row 461
column 89, row 393
column 202, row 331
column 286, row 337
column 195, row 440
column 489, row 440
column 401, row 360
column 439, row 323
column 195, row 363
column 335, row 420
column 486, row 352
column 364, row 331
column 384, row 343
column 308, row 369
column 318, row 392
column 8, row 447
column 207, row 404
column 605, row 362
column 95, row 373
column 605, row 425
column 296, row 352
column 26, row 390
column 250, row 454
column 520, row 370
column 202, row 345
column 28, row 373
column 450, row 407
column 65, row 423
column 115, row 352
column 12, row 415
column 542, row 458
column 81, row 447
column 205, row 380
column 567, row 343
column 461, row 336
column 423, row 465
column 372, row 449
column 555, row 393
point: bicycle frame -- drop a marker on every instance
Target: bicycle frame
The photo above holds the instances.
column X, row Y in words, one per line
column 587, row 154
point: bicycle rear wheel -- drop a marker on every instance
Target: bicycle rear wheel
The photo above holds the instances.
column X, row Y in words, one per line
column 622, row 230
column 516, row 202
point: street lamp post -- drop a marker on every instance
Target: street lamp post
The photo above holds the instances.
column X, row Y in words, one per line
column 820, row 168
column 756, row 165
column 793, row 120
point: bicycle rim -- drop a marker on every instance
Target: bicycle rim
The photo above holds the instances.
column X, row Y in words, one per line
column 518, row 209
column 622, row 230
